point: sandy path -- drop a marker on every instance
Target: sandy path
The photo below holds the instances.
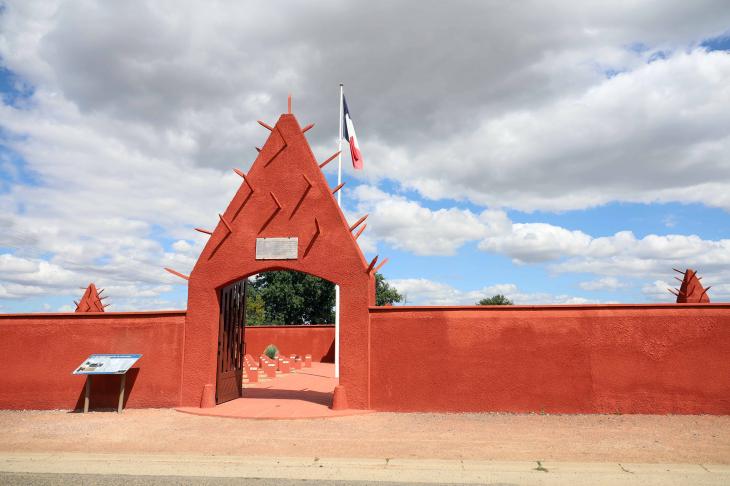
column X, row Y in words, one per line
column 504, row 437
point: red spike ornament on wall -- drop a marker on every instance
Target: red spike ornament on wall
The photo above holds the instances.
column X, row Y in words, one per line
column 91, row 302
column 691, row 291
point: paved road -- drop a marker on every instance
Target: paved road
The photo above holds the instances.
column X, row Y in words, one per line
column 28, row 479
column 104, row 469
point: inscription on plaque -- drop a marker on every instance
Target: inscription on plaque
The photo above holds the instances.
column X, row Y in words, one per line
column 277, row 248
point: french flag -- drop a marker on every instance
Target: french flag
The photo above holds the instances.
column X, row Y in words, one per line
column 348, row 133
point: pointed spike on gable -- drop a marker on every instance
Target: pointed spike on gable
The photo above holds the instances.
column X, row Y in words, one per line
column 289, row 103
column 329, row 160
column 265, row 125
column 245, row 179
column 307, row 179
column 275, row 200
column 679, row 279
column 379, row 266
column 361, row 230
column 319, row 228
column 352, row 228
column 258, row 149
column 225, row 223
column 372, row 264
column 105, row 305
column 77, row 304
column 680, row 271
column 337, row 188
column 177, row 273
column 672, row 291
column 307, row 127
column 204, row 231
column 83, row 288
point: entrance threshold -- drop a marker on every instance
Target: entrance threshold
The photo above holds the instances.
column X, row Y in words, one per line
column 306, row 394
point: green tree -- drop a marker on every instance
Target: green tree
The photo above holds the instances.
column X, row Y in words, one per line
column 384, row 293
column 291, row 298
column 498, row 299
column 255, row 308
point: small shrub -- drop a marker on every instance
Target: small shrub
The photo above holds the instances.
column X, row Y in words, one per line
column 271, row 351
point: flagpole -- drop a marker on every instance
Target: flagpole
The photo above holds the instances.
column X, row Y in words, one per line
column 337, row 287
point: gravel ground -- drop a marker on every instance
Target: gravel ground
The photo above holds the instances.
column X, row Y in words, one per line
column 688, row 439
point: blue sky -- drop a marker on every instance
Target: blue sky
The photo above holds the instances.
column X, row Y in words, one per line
column 553, row 154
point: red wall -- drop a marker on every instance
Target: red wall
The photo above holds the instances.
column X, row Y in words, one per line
column 654, row 359
column 319, row 341
column 657, row 359
column 38, row 353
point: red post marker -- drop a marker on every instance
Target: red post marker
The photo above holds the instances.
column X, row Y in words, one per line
column 298, row 363
column 284, row 366
column 271, row 370
column 308, row 361
column 253, row 374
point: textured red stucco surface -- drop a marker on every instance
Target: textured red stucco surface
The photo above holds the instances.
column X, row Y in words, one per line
column 281, row 174
column 656, row 359
column 319, row 341
column 38, row 353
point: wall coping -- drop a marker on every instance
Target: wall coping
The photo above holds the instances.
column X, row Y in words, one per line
column 512, row 308
column 94, row 315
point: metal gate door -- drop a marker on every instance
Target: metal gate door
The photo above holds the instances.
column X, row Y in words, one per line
column 229, row 382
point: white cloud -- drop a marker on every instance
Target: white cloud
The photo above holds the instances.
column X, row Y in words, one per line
column 407, row 225
column 182, row 246
column 657, row 291
column 621, row 254
column 132, row 115
column 134, row 305
column 611, row 284
column 427, row 292
column 651, row 134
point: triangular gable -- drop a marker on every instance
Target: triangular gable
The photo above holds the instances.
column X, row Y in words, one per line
column 285, row 194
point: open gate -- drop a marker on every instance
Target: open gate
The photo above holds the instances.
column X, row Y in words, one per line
column 231, row 345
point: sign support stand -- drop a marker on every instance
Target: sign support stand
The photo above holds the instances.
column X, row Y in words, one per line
column 88, row 391
column 107, row 364
column 121, row 393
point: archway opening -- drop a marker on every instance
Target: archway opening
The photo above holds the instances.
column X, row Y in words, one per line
column 290, row 298
column 289, row 316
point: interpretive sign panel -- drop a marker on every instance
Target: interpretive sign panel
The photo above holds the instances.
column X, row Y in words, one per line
column 277, row 248
column 107, row 364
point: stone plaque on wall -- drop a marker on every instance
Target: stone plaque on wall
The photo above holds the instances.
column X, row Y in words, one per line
column 277, row 248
